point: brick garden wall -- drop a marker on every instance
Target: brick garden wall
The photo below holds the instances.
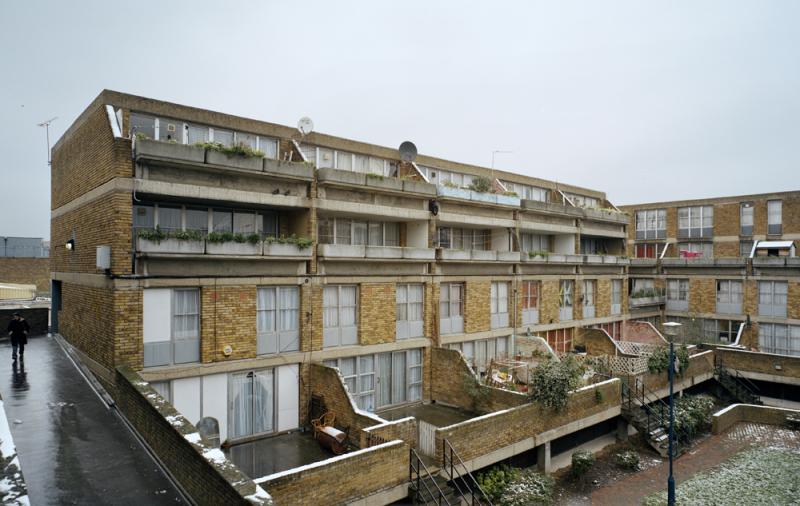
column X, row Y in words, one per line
column 700, row 364
column 86, row 320
column 405, row 430
column 26, row 271
column 748, row 361
column 200, row 469
column 736, row 413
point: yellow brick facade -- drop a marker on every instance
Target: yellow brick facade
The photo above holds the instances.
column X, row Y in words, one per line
column 378, row 308
column 227, row 318
column 476, row 306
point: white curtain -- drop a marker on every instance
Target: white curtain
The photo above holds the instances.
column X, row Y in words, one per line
column 359, row 233
column 415, row 375
column 398, row 377
column 241, row 390
column 502, row 297
column 263, row 401
column 375, row 233
column 290, row 307
column 269, row 147
column 366, row 382
column 330, row 307
column 266, row 310
column 385, row 379
column 185, row 312
column 415, row 302
column 348, row 306
column 402, row 302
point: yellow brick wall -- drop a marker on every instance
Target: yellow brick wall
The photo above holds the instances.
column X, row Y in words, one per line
column 793, row 303
column 378, row 307
column 602, row 303
column 86, row 320
column 228, row 317
column 548, row 303
column 431, row 307
column 726, row 249
column 476, row 306
column 28, row 271
column 316, row 317
column 702, row 295
column 128, row 336
column 726, row 220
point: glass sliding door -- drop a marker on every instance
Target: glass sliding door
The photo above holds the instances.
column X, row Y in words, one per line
column 252, row 406
column 385, row 379
column 398, row 377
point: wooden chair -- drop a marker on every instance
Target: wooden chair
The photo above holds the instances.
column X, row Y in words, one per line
column 326, row 420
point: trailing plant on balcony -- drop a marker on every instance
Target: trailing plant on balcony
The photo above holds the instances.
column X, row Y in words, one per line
column 300, row 242
column 552, row 381
column 658, row 361
column 373, row 175
column 538, row 253
column 510, row 194
column 240, row 149
column 152, row 234
column 157, row 235
column 646, row 293
column 450, row 184
column 222, row 237
column 481, row 184
column 140, row 136
column 186, row 235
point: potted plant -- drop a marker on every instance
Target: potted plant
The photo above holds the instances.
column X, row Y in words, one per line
column 176, row 242
column 240, row 156
column 229, row 243
column 291, row 246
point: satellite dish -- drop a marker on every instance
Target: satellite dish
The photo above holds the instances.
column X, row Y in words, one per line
column 408, row 151
column 305, row 125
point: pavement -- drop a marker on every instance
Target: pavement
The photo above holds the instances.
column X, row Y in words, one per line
column 72, row 448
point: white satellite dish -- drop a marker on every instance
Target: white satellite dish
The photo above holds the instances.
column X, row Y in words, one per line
column 408, row 151
column 305, row 125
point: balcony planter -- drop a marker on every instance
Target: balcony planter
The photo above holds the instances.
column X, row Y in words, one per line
column 455, row 254
column 576, row 259
column 289, row 169
column 419, row 253
column 611, row 259
column 557, row 258
column 507, row 200
column 233, row 248
column 385, row 183
column 599, row 214
column 793, row 261
column 422, row 187
column 254, row 163
column 674, row 262
column 148, row 148
column 384, row 252
column 490, row 198
column 174, row 246
column 508, row 256
column 341, row 251
column 483, row 255
column 458, row 193
column 642, row 261
column 274, row 249
column 537, row 258
column 341, row 176
column 594, row 259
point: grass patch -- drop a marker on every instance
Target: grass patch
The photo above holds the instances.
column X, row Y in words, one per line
column 756, row 476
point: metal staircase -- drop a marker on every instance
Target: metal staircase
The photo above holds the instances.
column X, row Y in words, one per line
column 425, row 488
column 650, row 416
column 741, row 388
column 459, row 477
column 452, row 485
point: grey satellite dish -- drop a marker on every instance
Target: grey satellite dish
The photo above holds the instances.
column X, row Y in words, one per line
column 408, row 151
column 305, row 125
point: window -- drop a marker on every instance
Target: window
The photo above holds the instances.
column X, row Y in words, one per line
column 729, row 297
column 614, row 329
column 451, row 309
column 342, row 160
column 774, row 216
column 678, row 294
column 143, row 125
column 649, row 250
column 651, row 224
column 143, row 217
column 339, row 315
column 717, row 331
column 409, row 311
column 780, row 339
column 696, row 249
column 560, row 340
column 772, row 296
column 695, row 221
column 530, row 302
column 527, row 192
column 252, row 403
column 171, row 326
column 381, row 380
column 169, row 219
column 589, row 286
column 535, row 242
column 593, row 246
column 278, row 319
column 351, row 232
column 745, row 248
column 565, row 300
column 616, row 296
column 499, row 304
column 583, row 201
column 461, row 238
column 480, row 353
column 746, row 218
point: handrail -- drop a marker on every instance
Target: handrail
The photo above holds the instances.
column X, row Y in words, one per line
column 411, row 470
column 645, row 402
column 446, row 446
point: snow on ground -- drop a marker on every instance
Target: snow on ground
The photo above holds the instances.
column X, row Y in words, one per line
column 12, row 485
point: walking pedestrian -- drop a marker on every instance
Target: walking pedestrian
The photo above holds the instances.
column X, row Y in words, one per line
column 18, row 329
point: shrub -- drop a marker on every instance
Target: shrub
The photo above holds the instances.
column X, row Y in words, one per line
column 658, row 361
column 582, row 461
column 155, row 235
column 219, row 237
column 241, row 149
column 495, row 480
column 528, row 488
column 552, row 381
column 186, row 235
column 373, row 175
column 692, row 416
column 542, row 253
column 628, row 459
column 300, row 242
column 253, row 238
column 481, row 184
column 450, row 184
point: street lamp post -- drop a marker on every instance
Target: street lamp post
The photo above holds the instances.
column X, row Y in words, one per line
column 671, row 329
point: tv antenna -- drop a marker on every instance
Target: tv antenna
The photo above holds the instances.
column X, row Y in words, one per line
column 408, row 151
column 305, row 126
column 46, row 125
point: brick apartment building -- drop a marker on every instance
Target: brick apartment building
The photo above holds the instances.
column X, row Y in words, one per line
column 724, row 267
column 230, row 282
column 383, row 280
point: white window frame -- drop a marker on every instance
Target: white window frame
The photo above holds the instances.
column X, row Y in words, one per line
column 779, row 339
column 338, row 334
column 677, row 295
column 616, row 296
column 589, row 296
column 530, row 315
column 451, row 323
column 702, row 214
column 773, row 298
column 774, row 217
column 729, row 296
column 746, row 212
column 278, row 339
column 405, row 327
column 499, row 299
column 566, row 294
column 651, row 224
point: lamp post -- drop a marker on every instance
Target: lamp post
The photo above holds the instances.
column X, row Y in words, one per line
column 671, row 330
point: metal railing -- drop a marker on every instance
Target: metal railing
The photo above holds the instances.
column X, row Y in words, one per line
column 740, row 386
column 656, row 410
column 419, row 476
column 458, row 472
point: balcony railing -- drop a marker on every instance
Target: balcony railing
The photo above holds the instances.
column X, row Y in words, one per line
column 374, row 252
column 467, row 194
column 376, row 181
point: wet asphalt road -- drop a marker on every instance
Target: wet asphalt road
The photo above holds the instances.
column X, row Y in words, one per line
column 72, row 449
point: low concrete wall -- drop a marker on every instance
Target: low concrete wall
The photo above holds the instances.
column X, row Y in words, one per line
column 37, row 318
column 376, row 475
column 530, row 424
column 203, row 471
column 735, row 413
column 763, row 366
column 454, row 384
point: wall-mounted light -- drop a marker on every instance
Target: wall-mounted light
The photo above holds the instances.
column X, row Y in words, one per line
column 70, row 245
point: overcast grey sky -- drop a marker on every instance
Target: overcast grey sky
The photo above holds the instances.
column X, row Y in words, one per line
column 644, row 100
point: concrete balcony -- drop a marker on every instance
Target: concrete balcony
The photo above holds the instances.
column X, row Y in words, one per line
column 466, row 194
column 776, row 262
column 643, row 262
column 606, row 259
column 555, row 258
column 186, row 155
column 654, row 300
column 551, row 208
column 230, row 249
column 475, row 255
column 739, row 262
column 328, row 176
column 608, row 216
column 349, row 252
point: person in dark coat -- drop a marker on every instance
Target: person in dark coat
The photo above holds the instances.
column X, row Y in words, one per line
column 18, row 329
